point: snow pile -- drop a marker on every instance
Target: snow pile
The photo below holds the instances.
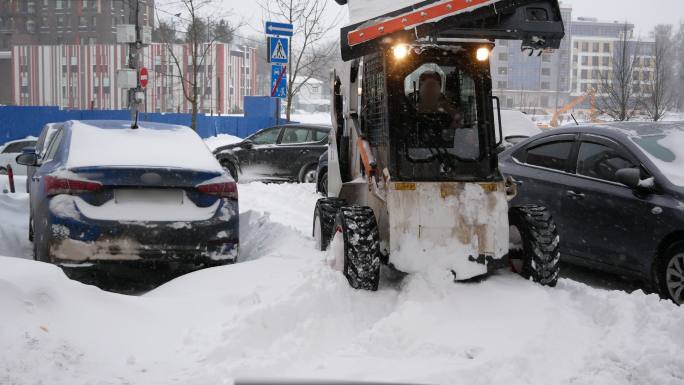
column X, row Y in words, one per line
column 214, row 142
column 14, row 224
column 150, row 145
column 283, row 312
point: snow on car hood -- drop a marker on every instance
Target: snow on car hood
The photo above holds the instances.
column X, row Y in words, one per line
column 149, row 146
column 666, row 151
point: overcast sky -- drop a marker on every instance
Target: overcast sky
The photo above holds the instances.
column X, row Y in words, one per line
column 644, row 14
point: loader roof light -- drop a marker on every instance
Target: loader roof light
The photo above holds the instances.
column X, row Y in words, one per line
column 400, row 51
column 482, row 54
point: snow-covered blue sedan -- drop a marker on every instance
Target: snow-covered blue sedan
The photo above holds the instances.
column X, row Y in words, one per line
column 104, row 191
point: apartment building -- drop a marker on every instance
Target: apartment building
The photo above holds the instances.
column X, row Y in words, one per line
column 84, row 76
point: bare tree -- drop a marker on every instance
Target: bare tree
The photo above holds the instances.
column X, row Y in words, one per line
column 201, row 33
column 617, row 87
column 308, row 47
column 659, row 96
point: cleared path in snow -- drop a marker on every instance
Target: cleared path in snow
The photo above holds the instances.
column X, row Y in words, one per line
column 282, row 312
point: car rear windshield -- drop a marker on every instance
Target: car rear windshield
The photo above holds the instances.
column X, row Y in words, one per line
column 667, row 152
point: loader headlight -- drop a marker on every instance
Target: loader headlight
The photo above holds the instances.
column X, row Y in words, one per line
column 482, row 54
column 400, row 51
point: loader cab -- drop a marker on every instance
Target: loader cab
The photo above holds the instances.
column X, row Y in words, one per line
column 426, row 111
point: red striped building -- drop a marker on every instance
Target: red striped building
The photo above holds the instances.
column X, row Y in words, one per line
column 84, row 76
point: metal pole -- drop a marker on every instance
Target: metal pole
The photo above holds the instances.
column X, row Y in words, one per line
column 133, row 58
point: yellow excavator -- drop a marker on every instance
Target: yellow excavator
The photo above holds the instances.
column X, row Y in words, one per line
column 593, row 111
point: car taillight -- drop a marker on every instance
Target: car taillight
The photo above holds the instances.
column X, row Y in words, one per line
column 223, row 190
column 55, row 185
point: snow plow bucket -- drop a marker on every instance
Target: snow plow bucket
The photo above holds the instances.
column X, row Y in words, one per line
column 537, row 23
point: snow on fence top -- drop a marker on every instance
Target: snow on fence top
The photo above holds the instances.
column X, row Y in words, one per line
column 95, row 144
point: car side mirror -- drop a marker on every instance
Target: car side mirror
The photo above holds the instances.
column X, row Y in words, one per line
column 247, row 144
column 630, row 177
column 27, row 159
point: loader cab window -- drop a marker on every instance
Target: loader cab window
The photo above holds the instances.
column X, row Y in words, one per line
column 442, row 100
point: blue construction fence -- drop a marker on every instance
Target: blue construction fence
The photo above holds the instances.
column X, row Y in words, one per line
column 18, row 122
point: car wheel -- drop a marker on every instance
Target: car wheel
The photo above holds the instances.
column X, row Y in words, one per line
column 230, row 167
column 308, row 174
column 356, row 246
column 534, row 244
column 670, row 273
column 323, row 184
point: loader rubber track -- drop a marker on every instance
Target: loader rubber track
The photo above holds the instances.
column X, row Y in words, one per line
column 361, row 246
column 540, row 253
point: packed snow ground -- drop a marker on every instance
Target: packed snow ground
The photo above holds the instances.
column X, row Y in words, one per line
column 282, row 312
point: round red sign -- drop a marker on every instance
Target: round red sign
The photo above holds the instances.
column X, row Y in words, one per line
column 143, row 77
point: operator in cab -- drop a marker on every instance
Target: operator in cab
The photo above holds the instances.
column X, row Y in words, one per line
column 431, row 100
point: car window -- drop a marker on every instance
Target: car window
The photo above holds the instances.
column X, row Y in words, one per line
column 296, row 135
column 266, row 137
column 17, row 147
column 600, row 161
column 44, row 141
column 552, row 155
column 320, row 135
column 54, row 144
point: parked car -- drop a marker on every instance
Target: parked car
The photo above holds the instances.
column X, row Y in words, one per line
column 9, row 152
column 516, row 127
column 616, row 193
column 103, row 191
column 282, row 153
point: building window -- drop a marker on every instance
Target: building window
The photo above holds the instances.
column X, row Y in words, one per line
column 82, row 22
column 546, row 58
column 503, row 56
column 59, row 4
column 546, row 71
column 502, row 85
column 585, row 60
column 606, row 47
column 595, row 47
column 93, row 22
column 585, row 47
column 606, row 61
column 595, row 61
column 545, row 85
column 575, row 59
column 503, row 70
column 585, row 75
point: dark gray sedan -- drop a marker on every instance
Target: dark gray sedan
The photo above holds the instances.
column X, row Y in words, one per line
column 281, row 153
column 616, row 192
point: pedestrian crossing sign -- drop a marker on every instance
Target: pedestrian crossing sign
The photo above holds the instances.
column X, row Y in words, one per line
column 279, row 49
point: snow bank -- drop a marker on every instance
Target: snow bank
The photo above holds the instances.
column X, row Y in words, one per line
column 149, row 145
column 14, row 223
column 284, row 313
column 19, row 183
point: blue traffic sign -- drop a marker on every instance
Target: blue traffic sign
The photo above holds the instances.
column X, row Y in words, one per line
column 279, row 81
column 278, row 49
column 279, row 29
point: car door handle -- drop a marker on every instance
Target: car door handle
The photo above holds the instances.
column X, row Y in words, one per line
column 575, row 195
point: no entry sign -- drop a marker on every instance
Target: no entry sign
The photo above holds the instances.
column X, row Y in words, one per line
column 143, row 77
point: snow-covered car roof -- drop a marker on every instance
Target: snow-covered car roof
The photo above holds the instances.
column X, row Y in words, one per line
column 516, row 123
column 114, row 143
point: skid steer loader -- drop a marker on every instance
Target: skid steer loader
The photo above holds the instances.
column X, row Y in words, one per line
column 413, row 178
